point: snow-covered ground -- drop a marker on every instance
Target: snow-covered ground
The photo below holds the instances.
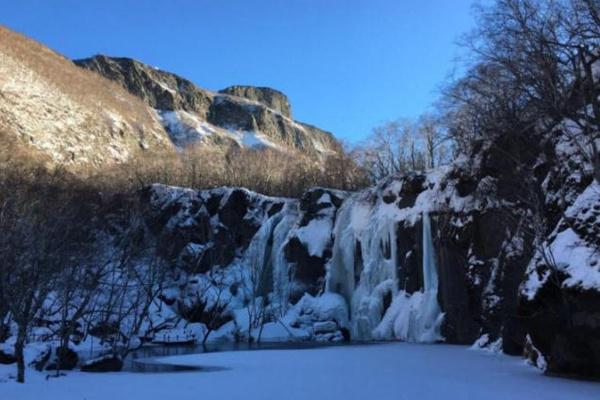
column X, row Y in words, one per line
column 385, row 371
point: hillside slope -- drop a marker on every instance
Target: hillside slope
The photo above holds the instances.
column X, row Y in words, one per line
column 114, row 109
column 68, row 115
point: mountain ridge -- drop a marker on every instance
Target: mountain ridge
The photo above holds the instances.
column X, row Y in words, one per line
column 231, row 112
column 89, row 115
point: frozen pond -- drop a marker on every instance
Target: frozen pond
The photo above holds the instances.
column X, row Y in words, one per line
column 385, row 371
column 150, row 358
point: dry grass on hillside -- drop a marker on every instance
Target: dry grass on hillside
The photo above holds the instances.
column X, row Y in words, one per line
column 82, row 86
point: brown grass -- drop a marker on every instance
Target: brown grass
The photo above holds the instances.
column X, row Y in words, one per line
column 82, row 86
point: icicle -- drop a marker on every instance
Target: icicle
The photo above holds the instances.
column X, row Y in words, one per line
column 340, row 274
column 430, row 277
column 431, row 314
column 281, row 267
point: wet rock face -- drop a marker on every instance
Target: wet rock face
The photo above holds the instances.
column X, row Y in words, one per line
column 410, row 260
column 272, row 98
column 459, row 296
column 309, row 271
column 560, row 296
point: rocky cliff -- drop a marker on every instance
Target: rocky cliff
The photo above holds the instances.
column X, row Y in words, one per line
column 272, row 98
column 243, row 115
column 449, row 255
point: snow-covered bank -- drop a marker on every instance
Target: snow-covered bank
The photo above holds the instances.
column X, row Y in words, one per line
column 388, row 371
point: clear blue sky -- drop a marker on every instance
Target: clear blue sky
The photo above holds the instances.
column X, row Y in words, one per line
column 346, row 65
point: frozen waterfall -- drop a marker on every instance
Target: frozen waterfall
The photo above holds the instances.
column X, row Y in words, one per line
column 364, row 268
column 416, row 317
column 430, row 277
column 428, row 316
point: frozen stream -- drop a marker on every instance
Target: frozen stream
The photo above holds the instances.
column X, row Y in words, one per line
column 387, row 371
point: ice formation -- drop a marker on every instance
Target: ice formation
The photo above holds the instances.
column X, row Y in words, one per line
column 364, row 267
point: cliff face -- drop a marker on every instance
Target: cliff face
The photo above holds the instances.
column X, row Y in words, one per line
column 246, row 115
column 449, row 255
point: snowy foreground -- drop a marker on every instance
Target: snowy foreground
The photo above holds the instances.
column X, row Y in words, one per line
column 387, row 371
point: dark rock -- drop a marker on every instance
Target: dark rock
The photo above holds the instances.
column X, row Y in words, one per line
column 6, row 358
column 409, row 263
column 564, row 325
column 412, row 185
column 67, row 357
column 159, row 89
column 109, row 363
column 309, row 270
column 313, row 208
column 272, row 98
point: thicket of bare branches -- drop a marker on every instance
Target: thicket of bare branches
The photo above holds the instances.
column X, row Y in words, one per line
column 45, row 226
column 404, row 146
column 532, row 64
column 270, row 172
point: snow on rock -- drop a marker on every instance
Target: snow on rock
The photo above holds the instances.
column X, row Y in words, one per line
column 323, row 318
column 185, row 128
column 486, row 344
column 327, row 307
column 569, row 251
column 172, row 336
column 316, row 235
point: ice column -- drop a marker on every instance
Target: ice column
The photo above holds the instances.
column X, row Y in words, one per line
column 430, row 314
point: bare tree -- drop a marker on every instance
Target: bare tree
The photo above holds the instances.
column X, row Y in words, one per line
column 207, row 300
column 43, row 227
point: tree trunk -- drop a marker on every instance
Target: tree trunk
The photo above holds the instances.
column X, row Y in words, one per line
column 19, row 347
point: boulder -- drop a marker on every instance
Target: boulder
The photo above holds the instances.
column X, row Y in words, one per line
column 6, row 358
column 107, row 363
column 67, row 357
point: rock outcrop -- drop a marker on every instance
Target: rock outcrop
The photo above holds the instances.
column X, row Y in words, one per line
column 243, row 115
column 272, row 98
column 160, row 90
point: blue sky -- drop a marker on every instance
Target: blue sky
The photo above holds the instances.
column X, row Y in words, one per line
column 346, row 65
